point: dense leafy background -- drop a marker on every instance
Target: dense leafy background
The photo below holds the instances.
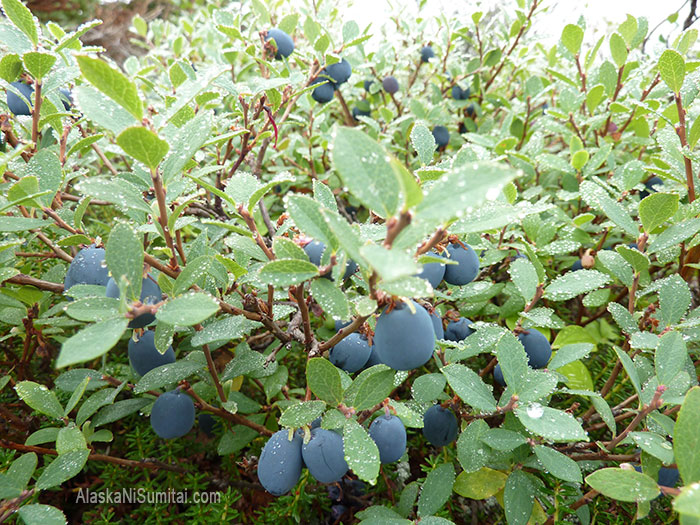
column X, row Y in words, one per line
column 209, row 162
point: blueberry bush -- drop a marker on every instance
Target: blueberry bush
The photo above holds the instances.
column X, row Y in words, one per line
column 449, row 275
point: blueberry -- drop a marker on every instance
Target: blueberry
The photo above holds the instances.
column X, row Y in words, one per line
column 207, row 422
column 87, row 267
column 324, row 456
column 314, row 250
column 433, row 273
column 285, row 44
column 339, row 325
column 389, row 434
column 426, row 54
column 460, row 94
column 339, row 73
column 668, row 477
column 458, row 330
column 279, row 466
column 650, row 186
column 467, row 267
column 390, row 85
column 150, row 295
column 357, row 112
column 537, row 347
column 172, row 415
column 439, row 426
column 437, row 326
column 471, row 111
column 66, row 98
column 373, row 358
column 633, row 245
column 337, row 512
column 357, row 487
column 367, row 84
column 144, row 356
column 322, row 94
column 404, row 339
column 498, row 375
column 578, row 265
column 334, row 493
column 351, row 353
column 441, row 135
column 15, row 104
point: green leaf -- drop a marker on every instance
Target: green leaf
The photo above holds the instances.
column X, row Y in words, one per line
column 472, row 452
column 694, row 134
column 503, row 439
column 169, row 374
column 63, row 468
column 558, row 464
column 303, row 413
column 92, row 404
column 436, row 490
column 144, row 145
column 462, row 189
column 631, row 370
column 674, row 235
column 186, row 143
column 40, row 514
column 672, row 69
column 623, row 484
column 687, row 503
column 598, row 198
column 365, row 169
column 361, row 452
column 331, row 298
column 655, row 445
column 686, row 438
column 21, row 224
column 324, row 380
column 571, row 284
column 423, row 142
column 373, row 388
column 76, row 395
column 70, row 438
column 22, row 469
column 112, row 83
column 22, row 18
column 102, row 111
column 38, row 63
column 124, row 257
column 670, row 357
column 550, row 423
column 11, row 67
column 482, row 484
column 390, row 264
column 307, row 216
column 524, row 276
column 428, row 387
column 469, row 387
column 518, row 498
column 188, row 309
column 674, row 300
column 572, row 37
column 39, row 398
column 570, row 353
column 286, row 272
column 117, row 191
column 618, row 49
column 91, row 342
column 656, row 209
column 119, row 410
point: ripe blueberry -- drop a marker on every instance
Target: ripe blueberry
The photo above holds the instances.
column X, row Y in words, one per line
column 390, row 85
column 15, row 104
column 315, row 250
column 433, row 273
column 650, row 186
column 324, row 456
column 404, row 339
column 441, row 135
column 351, row 353
column 87, row 267
column 279, row 466
column 426, row 54
column 467, row 267
column 498, row 375
column 285, row 44
column 458, row 330
column 150, row 294
column 439, row 426
column 324, row 93
column 537, row 347
column 172, row 415
column 389, row 434
column 338, row 73
column 437, row 325
column 460, row 94
column 144, row 356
